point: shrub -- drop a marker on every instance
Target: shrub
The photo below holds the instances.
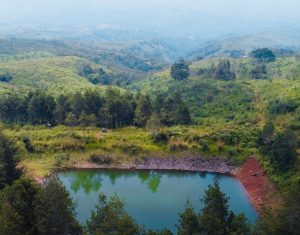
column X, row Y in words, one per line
column 130, row 149
column 59, row 159
column 26, row 140
column 178, row 146
column 159, row 137
column 98, row 159
column 282, row 106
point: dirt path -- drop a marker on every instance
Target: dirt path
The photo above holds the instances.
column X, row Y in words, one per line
column 261, row 191
column 259, row 105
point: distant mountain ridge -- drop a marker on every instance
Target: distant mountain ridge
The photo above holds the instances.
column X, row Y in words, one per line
column 242, row 45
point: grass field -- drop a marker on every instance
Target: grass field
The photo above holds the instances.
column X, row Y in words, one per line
column 64, row 146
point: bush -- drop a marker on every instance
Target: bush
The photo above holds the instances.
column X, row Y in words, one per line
column 130, row 149
column 178, row 147
column 26, row 140
column 282, row 106
column 159, row 137
column 59, row 159
column 101, row 160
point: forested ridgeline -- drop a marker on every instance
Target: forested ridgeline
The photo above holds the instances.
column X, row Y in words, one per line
column 91, row 108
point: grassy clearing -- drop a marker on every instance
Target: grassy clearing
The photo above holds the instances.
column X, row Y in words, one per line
column 65, row 147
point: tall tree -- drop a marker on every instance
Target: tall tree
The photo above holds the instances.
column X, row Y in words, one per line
column 180, row 70
column 188, row 221
column 110, row 218
column 8, row 161
column 259, row 72
column 13, row 109
column 143, row 111
column 223, row 71
column 16, row 208
column 174, row 111
column 71, row 120
column 55, row 210
column 40, row 108
column 62, row 108
column 283, row 150
column 263, row 55
column 214, row 216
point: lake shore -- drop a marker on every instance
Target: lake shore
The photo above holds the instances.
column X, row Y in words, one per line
column 260, row 189
column 196, row 164
column 250, row 174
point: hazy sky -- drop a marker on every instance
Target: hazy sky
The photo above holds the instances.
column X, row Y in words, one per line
column 153, row 14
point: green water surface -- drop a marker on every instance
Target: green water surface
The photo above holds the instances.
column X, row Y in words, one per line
column 153, row 198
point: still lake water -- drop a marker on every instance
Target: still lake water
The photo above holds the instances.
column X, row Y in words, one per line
column 153, row 198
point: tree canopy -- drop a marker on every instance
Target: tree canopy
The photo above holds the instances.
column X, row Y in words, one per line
column 263, row 55
column 180, row 70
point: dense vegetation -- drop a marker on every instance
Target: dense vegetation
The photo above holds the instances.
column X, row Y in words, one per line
column 230, row 107
column 113, row 109
column 27, row 208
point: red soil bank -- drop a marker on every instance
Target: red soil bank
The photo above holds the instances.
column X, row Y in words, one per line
column 255, row 182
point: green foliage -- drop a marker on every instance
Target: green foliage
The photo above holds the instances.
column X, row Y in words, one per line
column 214, row 218
column 94, row 158
column 266, row 138
column 259, row 72
column 174, row 111
column 280, row 147
column 117, row 110
column 40, row 108
column 55, row 211
column 6, row 77
column 282, row 106
column 110, row 217
column 8, row 161
column 143, row 111
column 284, row 220
column 223, row 71
column 162, row 232
column 26, row 140
column 153, row 124
column 263, row 55
column 283, row 150
column 159, row 137
column 16, row 208
column 180, row 71
column 188, row 221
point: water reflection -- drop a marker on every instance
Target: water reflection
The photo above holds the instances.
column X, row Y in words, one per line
column 154, row 198
column 92, row 180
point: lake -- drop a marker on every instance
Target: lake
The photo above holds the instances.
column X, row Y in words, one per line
column 153, row 198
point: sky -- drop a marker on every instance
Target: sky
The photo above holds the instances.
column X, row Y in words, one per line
column 163, row 16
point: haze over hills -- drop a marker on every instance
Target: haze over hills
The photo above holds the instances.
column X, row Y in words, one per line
column 133, row 19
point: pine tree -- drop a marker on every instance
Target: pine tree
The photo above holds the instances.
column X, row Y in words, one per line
column 55, row 210
column 214, row 216
column 110, row 217
column 143, row 111
column 16, row 208
column 8, row 161
column 180, row 70
column 223, row 71
column 71, row 119
column 188, row 222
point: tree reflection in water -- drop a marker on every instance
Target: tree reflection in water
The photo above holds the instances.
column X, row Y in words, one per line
column 91, row 180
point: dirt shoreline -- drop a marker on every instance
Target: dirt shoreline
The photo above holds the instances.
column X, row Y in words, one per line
column 197, row 164
column 260, row 189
